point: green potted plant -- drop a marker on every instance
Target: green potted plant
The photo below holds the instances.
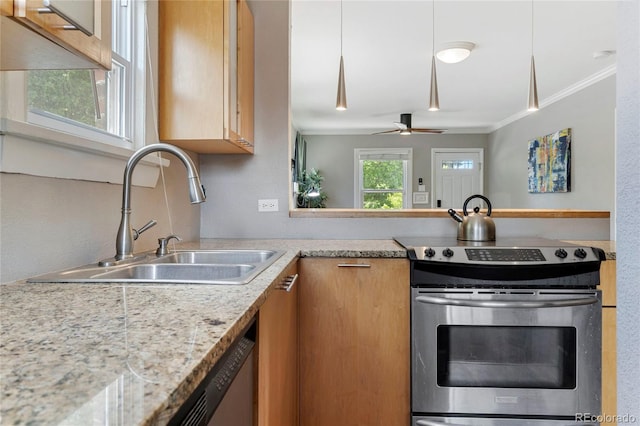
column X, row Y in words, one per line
column 310, row 194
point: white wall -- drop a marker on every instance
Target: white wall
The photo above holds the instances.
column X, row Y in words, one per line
column 333, row 156
column 590, row 113
column 235, row 182
column 627, row 208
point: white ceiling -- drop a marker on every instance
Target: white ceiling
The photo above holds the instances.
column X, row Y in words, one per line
column 387, row 49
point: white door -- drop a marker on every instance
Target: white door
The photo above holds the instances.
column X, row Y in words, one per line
column 456, row 174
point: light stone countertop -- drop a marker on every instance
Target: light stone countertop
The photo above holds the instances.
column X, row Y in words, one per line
column 77, row 354
column 609, row 247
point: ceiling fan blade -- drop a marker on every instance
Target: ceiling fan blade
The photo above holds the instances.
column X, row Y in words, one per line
column 419, row 130
column 400, row 125
column 387, row 131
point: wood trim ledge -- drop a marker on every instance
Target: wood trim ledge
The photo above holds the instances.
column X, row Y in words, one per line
column 438, row 213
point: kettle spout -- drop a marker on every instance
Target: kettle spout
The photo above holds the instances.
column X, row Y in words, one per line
column 454, row 214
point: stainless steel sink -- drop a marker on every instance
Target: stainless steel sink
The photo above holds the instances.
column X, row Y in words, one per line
column 180, row 273
column 226, row 267
column 218, row 256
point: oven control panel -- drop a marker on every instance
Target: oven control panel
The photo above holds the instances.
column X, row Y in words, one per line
column 506, row 255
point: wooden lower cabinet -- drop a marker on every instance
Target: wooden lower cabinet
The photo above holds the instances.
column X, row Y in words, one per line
column 278, row 355
column 608, row 287
column 354, row 342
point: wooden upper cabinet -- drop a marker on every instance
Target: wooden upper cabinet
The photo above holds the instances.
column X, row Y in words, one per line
column 6, row 7
column 55, row 34
column 206, row 63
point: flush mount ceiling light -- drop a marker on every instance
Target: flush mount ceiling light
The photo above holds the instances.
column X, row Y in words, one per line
column 455, row 51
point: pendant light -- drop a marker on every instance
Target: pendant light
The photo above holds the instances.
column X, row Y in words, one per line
column 533, row 85
column 434, row 101
column 341, row 100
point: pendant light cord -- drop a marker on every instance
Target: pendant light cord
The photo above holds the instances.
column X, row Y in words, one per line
column 340, row 27
column 531, row 27
column 433, row 28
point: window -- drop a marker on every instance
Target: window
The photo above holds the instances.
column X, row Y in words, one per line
column 61, row 136
column 383, row 178
column 91, row 103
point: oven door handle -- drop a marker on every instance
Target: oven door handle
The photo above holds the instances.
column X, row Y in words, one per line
column 560, row 303
column 423, row 422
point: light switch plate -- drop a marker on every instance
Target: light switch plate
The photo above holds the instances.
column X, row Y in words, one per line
column 420, row 198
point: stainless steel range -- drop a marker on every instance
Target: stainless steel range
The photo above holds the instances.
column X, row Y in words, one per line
column 506, row 332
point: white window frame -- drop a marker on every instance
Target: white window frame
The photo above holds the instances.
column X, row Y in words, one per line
column 404, row 154
column 39, row 145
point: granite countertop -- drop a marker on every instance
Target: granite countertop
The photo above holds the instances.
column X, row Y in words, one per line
column 91, row 353
column 609, row 247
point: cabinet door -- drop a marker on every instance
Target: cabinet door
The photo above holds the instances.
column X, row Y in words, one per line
column 6, row 7
column 245, row 83
column 354, row 342
column 608, row 287
column 200, row 75
column 609, row 405
column 278, row 354
column 45, row 39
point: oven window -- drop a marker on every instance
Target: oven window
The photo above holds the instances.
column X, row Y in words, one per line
column 507, row 357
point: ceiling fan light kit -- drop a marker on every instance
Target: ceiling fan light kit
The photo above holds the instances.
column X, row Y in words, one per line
column 404, row 127
column 455, row 51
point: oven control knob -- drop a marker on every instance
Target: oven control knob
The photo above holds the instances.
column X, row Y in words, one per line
column 429, row 252
column 561, row 253
column 580, row 253
column 447, row 252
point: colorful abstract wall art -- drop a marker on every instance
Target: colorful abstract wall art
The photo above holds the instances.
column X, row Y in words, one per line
column 550, row 162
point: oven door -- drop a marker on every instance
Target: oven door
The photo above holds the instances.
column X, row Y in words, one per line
column 507, row 352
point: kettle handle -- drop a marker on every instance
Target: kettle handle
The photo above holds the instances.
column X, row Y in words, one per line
column 486, row 200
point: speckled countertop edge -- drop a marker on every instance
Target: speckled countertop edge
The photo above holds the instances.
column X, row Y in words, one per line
column 67, row 349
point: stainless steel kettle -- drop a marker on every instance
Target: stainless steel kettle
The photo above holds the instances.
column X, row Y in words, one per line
column 475, row 226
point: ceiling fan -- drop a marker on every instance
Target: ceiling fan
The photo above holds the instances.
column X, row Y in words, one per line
column 404, row 127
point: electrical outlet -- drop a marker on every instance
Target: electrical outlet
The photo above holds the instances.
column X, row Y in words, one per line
column 268, row 205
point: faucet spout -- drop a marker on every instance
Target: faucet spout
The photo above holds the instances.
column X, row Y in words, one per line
column 124, row 239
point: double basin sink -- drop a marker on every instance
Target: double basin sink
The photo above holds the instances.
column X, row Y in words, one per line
column 226, row 267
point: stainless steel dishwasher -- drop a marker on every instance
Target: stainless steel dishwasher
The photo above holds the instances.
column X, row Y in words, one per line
column 226, row 395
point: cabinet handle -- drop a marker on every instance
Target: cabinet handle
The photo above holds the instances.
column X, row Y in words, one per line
column 354, row 265
column 72, row 24
column 288, row 282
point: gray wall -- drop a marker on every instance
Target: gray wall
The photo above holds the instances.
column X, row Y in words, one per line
column 628, row 206
column 333, row 156
column 590, row 113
